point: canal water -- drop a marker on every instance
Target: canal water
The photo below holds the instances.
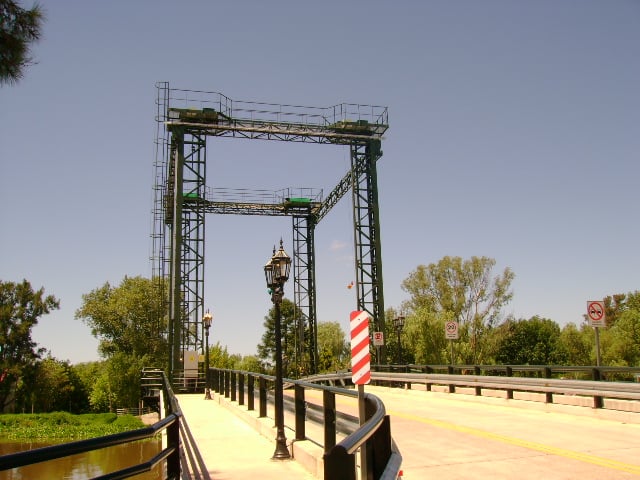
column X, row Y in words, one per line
column 85, row 465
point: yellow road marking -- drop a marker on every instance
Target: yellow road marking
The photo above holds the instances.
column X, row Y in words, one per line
column 540, row 447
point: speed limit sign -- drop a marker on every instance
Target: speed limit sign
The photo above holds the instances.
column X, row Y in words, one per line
column 451, row 330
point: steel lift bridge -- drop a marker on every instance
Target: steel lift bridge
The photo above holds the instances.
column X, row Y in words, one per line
column 185, row 120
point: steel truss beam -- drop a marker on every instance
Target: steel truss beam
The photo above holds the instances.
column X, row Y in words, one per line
column 188, row 176
column 366, row 221
column 180, row 204
column 305, row 293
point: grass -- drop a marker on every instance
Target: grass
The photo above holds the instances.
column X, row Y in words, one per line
column 64, row 426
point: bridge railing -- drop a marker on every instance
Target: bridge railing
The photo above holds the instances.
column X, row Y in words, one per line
column 373, row 436
column 178, row 439
column 576, row 372
column 536, row 379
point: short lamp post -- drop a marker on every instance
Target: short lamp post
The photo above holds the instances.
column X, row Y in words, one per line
column 398, row 324
column 206, row 321
column 276, row 272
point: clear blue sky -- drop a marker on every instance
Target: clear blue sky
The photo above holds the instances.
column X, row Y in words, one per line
column 514, row 134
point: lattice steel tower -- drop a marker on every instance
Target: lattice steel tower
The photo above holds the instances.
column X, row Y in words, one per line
column 185, row 120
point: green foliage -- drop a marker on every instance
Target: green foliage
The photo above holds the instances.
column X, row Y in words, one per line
column 130, row 318
column 577, row 345
column 117, row 383
column 333, row 349
column 250, row 363
column 266, row 349
column 64, row 426
column 18, row 29
column 530, row 342
column 20, row 309
column 425, row 329
column 622, row 340
column 52, row 385
column 464, row 291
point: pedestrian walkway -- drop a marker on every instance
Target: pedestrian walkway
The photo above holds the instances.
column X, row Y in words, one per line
column 230, row 447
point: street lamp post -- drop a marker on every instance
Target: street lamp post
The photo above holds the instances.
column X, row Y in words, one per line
column 277, row 273
column 398, row 324
column 206, row 320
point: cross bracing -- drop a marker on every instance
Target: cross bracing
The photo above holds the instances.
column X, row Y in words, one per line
column 182, row 200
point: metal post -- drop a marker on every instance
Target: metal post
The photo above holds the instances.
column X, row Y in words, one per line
column 207, row 324
column 598, row 359
column 281, row 452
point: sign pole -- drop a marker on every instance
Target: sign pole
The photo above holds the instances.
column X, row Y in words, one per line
column 451, row 342
column 362, row 414
column 597, row 318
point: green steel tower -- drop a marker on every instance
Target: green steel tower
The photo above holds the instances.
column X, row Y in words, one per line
column 186, row 120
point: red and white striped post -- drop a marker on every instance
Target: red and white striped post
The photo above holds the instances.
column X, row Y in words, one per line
column 361, row 370
column 360, row 356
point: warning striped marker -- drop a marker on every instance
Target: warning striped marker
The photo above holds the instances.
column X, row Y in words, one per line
column 360, row 356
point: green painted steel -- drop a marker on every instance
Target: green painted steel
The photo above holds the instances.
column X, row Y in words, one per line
column 190, row 117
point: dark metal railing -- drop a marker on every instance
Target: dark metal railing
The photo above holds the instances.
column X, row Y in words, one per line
column 178, row 439
column 544, row 379
column 373, row 436
column 583, row 372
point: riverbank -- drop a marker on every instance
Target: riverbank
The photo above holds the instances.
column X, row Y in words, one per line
column 64, row 426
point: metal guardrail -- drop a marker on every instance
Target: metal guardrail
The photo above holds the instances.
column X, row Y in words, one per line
column 180, row 454
column 374, row 436
column 597, row 389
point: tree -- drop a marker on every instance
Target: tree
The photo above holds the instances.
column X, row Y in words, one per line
column 219, row 357
column 530, row 342
column 332, row 346
column 118, row 383
column 55, row 386
column 249, row 363
column 624, row 340
column 266, row 348
column 465, row 290
column 18, row 29
column 130, row 318
column 577, row 344
column 428, row 344
column 20, row 309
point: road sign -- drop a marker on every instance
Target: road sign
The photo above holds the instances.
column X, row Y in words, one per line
column 595, row 313
column 378, row 339
column 360, row 356
column 451, row 330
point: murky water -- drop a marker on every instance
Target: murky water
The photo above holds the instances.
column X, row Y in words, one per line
column 84, row 465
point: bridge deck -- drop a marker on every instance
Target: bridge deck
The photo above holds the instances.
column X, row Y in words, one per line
column 231, row 448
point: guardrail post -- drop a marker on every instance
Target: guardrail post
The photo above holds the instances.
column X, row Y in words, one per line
column 450, row 371
column 173, row 441
column 233, row 386
column 227, row 381
column 548, row 396
column 378, row 446
column 339, row 465
column 263, row 397
column 213, row 377
column 329, row 408
column 241, row 389
column 476, row 371
column 301, row 411
column 598, row 402
column 427, row 370
column 250, row 392
column 509, row 371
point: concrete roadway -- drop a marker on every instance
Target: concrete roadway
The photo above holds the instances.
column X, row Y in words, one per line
column 450, row 437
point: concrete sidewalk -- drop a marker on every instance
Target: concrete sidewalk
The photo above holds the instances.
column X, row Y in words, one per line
column 231, row 447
